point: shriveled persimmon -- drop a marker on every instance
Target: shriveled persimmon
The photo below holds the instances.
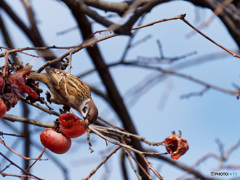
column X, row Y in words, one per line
column 176, row 146
column 71, row 125
column 17, row 80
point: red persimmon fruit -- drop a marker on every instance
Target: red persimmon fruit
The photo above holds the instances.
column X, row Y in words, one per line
column 2, row 84
column 3, row 108
column 54, row 141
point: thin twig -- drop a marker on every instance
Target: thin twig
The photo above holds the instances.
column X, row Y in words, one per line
column 112, row 141
column 8, row 134
column 19, row 167
column 94, row 170
column 92, row 41
column 231, row 149
column 10, row 149
column 132, row 165
column 98, row 129
column 105, row 130
column 40, row 107
column 130, row 45
column 139, row 165
column 150, row 167
column 70, row 63
column 29, row 121
column 208, row 38
column 183, row 76
column 200, row 93
column 127, row 134
column 110, row 124
column 17, row 175
column 36, row 159
column 20, row 50
column 216, row 12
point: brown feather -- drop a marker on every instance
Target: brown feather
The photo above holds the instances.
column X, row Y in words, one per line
column 68, row 86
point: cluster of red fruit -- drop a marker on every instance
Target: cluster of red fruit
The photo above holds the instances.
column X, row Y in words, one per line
column 12, row 86
column 59, row 141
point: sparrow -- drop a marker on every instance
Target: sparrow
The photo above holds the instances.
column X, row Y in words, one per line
column 68, row 90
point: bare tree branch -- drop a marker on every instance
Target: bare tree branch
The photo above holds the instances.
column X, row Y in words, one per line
column 94, row 170
column 33, row 34
column 28, row 121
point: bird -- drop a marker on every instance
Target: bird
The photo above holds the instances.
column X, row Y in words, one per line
column 69, row 90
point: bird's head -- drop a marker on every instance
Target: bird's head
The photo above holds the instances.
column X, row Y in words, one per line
column 89, row 111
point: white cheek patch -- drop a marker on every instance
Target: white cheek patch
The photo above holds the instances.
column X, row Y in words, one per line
column 84, row 105
column 86, row 110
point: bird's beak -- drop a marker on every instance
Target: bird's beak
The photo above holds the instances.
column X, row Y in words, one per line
column 86, row 122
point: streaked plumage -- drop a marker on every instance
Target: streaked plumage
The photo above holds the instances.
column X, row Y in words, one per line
column 68, row 90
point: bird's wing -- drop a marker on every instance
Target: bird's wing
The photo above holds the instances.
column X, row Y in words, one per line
column 68, row 85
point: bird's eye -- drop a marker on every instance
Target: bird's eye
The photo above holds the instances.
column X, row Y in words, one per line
column 85, row 109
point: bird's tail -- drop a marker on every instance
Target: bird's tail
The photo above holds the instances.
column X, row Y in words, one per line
column 42, row 77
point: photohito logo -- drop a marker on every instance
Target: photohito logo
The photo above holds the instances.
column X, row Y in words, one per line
column 224, row 173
